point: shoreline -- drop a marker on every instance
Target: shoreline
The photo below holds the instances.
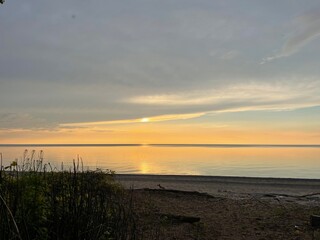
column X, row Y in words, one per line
column 204, row 177
column 226, row 186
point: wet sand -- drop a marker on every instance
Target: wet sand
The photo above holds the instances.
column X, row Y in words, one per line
column 223, row 186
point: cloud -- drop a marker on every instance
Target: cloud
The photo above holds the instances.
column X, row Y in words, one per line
column 307, row 28
column 230, row 55
column 236, row 98
column 161, row 118
column 129, row 60
column 22, row 120
column 241, row 97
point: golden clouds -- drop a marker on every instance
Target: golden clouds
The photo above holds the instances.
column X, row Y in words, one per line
column 161, row 118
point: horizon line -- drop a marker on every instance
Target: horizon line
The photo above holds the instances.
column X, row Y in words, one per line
column 154, row 145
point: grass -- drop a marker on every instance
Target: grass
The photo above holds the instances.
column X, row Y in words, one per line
column 39, row 202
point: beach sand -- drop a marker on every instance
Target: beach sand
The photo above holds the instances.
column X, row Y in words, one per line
column 228, row 207
column 223, row 186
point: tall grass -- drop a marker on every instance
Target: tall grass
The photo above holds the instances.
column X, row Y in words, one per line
column 39, row 202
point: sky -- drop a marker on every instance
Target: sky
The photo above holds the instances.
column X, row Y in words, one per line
column 169, row 71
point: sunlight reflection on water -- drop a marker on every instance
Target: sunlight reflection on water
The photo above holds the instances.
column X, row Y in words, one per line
column 218, row 161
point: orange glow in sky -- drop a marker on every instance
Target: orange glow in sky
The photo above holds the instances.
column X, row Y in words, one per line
column 162, row 133
column 136, row 72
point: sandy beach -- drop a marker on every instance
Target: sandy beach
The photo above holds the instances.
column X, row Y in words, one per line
column 223, row 186
column 226, row 207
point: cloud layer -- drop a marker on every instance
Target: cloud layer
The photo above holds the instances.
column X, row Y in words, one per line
column 305, row 29
column 121, row 61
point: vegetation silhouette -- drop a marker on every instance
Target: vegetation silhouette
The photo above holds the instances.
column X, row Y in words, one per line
column 40, row 202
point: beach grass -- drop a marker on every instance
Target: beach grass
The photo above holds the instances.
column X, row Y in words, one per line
column 40, row 202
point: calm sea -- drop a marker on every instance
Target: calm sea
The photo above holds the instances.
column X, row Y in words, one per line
column 285, row 161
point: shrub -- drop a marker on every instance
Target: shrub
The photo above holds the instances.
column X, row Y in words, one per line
column 37, row 202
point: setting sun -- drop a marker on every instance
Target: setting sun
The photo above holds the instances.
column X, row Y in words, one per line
column 144, row 120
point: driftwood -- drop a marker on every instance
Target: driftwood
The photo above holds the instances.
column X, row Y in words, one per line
column 194, row 193
column 288, row 195
column 315, row 221
column 179, row 218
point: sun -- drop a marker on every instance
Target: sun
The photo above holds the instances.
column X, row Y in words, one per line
column 144, row 120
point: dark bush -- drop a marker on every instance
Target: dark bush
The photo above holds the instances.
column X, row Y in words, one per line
column 39, row 204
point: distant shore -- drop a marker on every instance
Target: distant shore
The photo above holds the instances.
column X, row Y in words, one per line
column 222, row 186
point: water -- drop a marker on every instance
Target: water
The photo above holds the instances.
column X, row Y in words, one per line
column 286, row 161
